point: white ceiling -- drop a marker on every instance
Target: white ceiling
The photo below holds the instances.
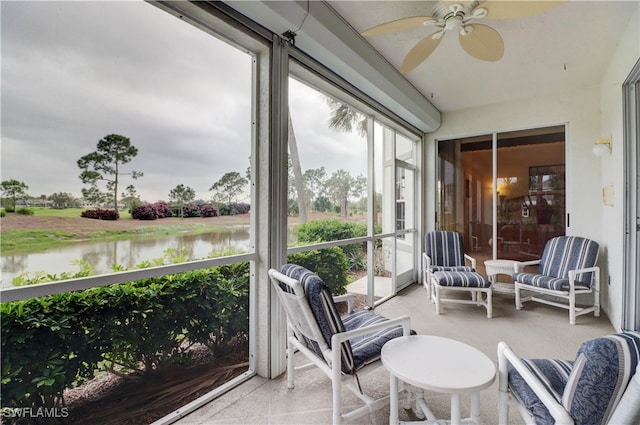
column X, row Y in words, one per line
column 556, row 51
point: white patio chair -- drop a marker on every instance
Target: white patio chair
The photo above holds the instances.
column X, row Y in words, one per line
column 344, row 347
column 585, row 391
column 567, row 268
column 445, row 269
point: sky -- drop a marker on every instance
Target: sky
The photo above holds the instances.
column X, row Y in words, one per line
column 74, row 72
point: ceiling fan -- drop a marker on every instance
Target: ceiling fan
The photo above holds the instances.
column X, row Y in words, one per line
column 478, row 40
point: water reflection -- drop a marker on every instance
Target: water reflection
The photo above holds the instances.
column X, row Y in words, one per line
column 103, row 255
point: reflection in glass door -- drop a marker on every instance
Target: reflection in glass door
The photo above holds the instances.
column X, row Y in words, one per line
column 508, row 211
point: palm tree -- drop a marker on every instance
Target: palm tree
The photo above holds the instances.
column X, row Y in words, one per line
column 345, row 118
column 297, row 170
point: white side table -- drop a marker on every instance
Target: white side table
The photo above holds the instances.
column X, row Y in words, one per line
column 496, row 267
column 437, row 364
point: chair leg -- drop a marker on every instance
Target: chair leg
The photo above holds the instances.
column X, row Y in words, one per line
column 518, row 300
column 572, row 308
column 503, row 385
column 489, row 304
column 336, row 385
column 436, row 292
column 290, row 367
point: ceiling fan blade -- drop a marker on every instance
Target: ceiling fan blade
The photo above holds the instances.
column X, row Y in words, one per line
column 398, row 25
column 483, row 43
column 517, row 9
column 419, row 53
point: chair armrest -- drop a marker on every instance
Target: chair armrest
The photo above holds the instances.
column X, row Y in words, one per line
column 518, row 267
column 506, row 356
column 573, row 273
column 471, row 260
column 348, row 298
column 404, row 321
column 426, row 261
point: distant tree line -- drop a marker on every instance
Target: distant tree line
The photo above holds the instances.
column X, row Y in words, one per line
column 104, row 167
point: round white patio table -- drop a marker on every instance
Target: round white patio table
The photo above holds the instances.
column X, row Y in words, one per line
column 495, row 267
column 441, row 365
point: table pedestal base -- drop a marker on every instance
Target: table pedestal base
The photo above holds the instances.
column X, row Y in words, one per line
column 422, row 410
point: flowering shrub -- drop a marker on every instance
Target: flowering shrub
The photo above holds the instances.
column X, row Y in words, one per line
column 162, row 209
column 207, row 210
column 100, row 214
column 144, row 212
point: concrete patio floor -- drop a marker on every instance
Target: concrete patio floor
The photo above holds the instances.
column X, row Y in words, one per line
column 537, row 331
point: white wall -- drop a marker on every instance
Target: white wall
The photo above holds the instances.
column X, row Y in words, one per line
column 611, row 125
column 589, row 113
column 579, row 110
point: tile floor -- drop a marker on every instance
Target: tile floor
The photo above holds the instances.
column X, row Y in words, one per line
column 535, row 331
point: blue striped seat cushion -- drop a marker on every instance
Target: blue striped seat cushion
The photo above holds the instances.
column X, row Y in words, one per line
column 561, row 255
column 355, row 353
column 452, row 269
column 461, row 279
column 552, row 373
column 366, row 349
column 548, row 282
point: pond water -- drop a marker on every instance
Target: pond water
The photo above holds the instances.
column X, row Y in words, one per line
column 101, row 255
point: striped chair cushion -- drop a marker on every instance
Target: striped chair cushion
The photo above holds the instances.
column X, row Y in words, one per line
column 590, row 387
column 366, row 349
column 452, row 269
column 461, row 279
column 601, row 372
column 552, row 373
column 444, row 248
column 324, row 311
column 560, row 255
column 358, row 351
column 548, row 282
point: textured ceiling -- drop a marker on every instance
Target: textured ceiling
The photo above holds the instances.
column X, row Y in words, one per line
column 556, row 51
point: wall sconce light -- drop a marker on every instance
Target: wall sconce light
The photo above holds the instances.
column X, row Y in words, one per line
column 602, row 146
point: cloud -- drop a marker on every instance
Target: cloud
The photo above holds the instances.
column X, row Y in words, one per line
column 74, row 72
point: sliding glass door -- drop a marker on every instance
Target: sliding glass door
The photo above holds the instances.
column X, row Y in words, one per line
column 505, row 192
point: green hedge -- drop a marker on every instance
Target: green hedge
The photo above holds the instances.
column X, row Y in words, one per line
column 330, row 264
column 335, row 230
column 55, row 342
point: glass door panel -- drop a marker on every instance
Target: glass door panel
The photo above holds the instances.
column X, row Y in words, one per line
column 530, row 190
column 465, row 191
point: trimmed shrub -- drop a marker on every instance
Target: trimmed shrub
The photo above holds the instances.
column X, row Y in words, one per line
column 54, row 342
column 334, row 230
column 24, row 211
column 3, row 213
column 163, row 209
column 240, row 208
column 144, row 212
column 329, row 263
column 207, row 210
column 100, row 214
column 190, row 210
column 234, row 208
